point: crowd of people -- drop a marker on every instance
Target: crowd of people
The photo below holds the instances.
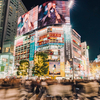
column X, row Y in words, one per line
column 77, row 89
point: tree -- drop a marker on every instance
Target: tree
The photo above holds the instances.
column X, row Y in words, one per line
column 40, row 66
column 23, row 67
column 94, row 68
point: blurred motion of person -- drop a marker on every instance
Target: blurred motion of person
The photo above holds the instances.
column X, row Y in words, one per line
column 33, row 86
column 44, row 86
column 99, row 85
column 37, row 88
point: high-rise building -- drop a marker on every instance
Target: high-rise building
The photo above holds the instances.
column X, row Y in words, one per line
column 10, row 10
column 76, row 53
column 21, row 8
column 85, row 55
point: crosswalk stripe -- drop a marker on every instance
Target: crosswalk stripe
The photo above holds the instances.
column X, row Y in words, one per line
column 22, row 98
column 33, row 97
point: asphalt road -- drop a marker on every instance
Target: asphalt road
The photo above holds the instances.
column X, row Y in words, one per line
column 24, row 94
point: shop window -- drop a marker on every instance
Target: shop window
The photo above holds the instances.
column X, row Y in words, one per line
column 7, row 49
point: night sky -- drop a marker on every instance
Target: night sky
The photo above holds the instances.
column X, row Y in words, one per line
column 85, row 19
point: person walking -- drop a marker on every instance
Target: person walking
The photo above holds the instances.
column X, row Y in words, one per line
column 37, row 89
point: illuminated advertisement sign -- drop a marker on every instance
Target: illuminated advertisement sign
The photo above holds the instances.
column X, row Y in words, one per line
column 50, row 44
column 44, row 42
column 56, row 66
column 53, row 12
column 42, row 37
column 28, row 21
column 56, row 43
column 54, row 35
column 32, row 47
column 19, row 42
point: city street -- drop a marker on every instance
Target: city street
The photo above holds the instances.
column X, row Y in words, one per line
column 25, row 94
column 49, row 50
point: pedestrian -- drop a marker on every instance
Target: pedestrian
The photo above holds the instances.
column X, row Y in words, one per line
column 32, row 86
column 37, row 91
column 37, row 88
column 44, row 86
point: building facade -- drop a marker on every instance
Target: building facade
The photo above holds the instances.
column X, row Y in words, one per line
column 85, row 55
column 49, row 31
column 10, row 10
column 63, row 49
column 75, row 54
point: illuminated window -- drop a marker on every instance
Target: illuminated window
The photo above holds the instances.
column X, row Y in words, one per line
column 7, row 49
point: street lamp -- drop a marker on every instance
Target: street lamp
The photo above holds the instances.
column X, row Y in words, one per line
column 53, row 72
column 71, row 3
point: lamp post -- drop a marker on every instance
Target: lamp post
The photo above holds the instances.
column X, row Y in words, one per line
column 73, row 73
column 53, row 72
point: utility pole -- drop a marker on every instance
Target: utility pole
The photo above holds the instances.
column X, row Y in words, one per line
column 73, row 73
column 53, row 72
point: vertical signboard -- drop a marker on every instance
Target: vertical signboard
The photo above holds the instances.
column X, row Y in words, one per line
column 67, row 46
column 56, row 66
column 32, row 47
column 62, row 54
column 31, row 66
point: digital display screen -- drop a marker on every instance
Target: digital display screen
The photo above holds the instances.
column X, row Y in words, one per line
column 54, row 67
column 49, row 13
column 28, row 21
column 53, row 12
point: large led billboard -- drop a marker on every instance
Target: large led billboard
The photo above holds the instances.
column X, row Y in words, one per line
column 53, row 12
column 28, row 21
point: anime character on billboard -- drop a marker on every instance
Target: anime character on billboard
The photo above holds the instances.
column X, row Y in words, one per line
column 25, row 23
column 25, row 26
column 28, row 24
column 22, row 24
column 48, row 15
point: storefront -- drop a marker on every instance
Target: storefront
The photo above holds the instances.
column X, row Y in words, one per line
column 6, row 65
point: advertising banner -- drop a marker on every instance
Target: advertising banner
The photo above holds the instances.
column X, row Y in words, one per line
column 56, row 43
column 54, row 66
column 32, row 47
column 53, row 12
column 19, row 42
column 28, row 21
column 54, row 35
